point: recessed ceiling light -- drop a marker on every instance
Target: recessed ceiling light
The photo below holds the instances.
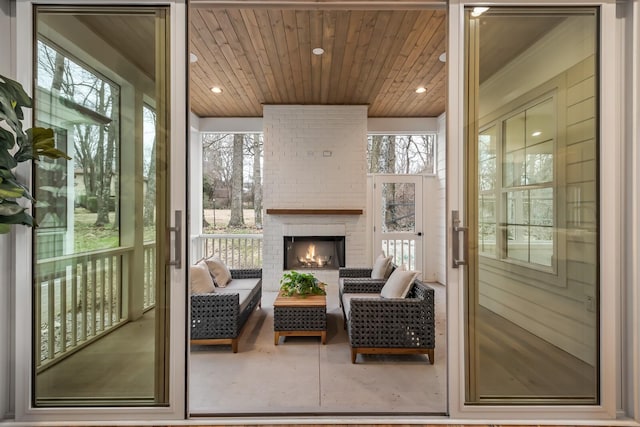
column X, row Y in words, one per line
column 421, row 89
column 318, row 51
column 216, row 89
column 193, row 58
column 536, row 133
column 477, row 11
column 443, row 57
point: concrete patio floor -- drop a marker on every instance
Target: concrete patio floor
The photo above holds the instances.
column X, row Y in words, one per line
column 301, row 375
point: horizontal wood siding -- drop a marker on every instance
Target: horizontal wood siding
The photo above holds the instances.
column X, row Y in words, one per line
column 557, row 310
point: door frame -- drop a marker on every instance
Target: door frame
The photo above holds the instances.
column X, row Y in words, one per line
column 22, row 29
column 610, row 225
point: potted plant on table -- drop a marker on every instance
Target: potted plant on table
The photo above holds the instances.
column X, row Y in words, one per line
column 300, row 284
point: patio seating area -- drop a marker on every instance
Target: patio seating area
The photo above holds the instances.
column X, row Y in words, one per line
column 301, row 375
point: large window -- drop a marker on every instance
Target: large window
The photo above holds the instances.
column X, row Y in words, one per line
column 519, row 201
column 401, row 154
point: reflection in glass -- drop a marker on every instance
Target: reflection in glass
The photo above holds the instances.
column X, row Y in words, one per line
column 96, row 280
column 531, row 338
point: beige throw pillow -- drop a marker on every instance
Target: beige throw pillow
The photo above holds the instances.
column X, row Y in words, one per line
column 219, row 271
column 380, row 267
column 398, row 284
column 201, row 281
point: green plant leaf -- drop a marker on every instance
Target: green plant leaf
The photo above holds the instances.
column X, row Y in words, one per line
column 19, row 218
column 17, row 92
column 7, row 140
column 8, row 208
column 8, row 190
column 5, row 228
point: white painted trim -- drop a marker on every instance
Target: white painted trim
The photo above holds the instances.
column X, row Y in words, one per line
column 405, row 126
column 230, row 124
column 24, row 412
column 375, row 125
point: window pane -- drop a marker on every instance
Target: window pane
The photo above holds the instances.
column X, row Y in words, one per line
column 514, row 133
column 398, row 207
column 99, row 313
column 539, row 163
column 541, row 204
column 532, row 331
column 514, row 169
column 540, row 123
column 518, row 243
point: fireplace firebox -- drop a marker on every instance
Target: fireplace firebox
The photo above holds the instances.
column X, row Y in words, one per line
column 314, row 252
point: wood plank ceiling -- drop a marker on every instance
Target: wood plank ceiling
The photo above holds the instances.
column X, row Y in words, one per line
column 264, row 56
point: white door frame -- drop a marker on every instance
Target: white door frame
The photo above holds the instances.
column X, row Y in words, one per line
column 418, row 236
column 22, row 29
column 610, row 223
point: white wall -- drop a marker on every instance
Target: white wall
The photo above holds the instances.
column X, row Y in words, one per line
column 6, row 259
column 314, row 158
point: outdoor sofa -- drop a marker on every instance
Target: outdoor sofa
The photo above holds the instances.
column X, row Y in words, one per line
column 217, row 317
column 379, row 325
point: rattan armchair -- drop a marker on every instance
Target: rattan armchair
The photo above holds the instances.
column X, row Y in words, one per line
column 377, row 325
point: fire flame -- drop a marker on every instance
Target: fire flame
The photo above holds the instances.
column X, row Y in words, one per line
column 311, row 252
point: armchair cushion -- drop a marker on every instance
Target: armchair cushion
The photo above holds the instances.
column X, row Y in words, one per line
column 347, row 298
column 201, row 281
column 380, row 267
column 398, row 284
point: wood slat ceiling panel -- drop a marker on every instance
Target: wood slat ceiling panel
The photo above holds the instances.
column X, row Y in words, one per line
column 263, row 56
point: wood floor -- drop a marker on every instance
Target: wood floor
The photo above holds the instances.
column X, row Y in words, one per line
column 514, row 362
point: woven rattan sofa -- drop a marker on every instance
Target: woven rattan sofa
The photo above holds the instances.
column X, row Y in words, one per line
column 376, row 325
column 218, row 317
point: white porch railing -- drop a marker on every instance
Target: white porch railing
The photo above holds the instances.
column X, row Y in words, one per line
column 80, row 297
column 235, row 250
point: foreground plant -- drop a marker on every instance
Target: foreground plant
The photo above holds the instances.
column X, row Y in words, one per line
column 301, row 284
column 17, row 146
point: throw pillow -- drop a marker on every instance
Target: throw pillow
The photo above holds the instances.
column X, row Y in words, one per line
column 380, row 267
column 219, row 271
column 398, row 284
column 201, row 281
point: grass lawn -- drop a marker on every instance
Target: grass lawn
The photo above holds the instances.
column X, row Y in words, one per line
column 90, row 238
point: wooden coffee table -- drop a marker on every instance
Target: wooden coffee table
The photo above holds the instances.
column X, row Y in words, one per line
column 300, row 316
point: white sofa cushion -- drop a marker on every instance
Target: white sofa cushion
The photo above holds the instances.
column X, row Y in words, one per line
column 201, row 281
column 219, row 271
column 380, row 267
column 398, row 284
column 237, row 284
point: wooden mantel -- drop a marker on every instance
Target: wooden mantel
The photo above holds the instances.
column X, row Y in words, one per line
column 315, row 211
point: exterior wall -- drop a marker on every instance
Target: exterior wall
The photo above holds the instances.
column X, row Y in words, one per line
column 562, row 316
column 314, row 157
column 441, row 202
column 6, row 259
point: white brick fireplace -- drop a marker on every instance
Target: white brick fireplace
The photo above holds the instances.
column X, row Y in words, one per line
column 314, row 158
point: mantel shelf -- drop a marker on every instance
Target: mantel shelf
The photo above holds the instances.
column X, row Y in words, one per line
column 315, row 211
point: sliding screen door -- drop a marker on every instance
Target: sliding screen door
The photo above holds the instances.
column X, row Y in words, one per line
column 532, row 295
column 100, row 290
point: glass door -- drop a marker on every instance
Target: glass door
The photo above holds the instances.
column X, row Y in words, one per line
column 532, row 289
column 102, row 252
column 398, row 219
